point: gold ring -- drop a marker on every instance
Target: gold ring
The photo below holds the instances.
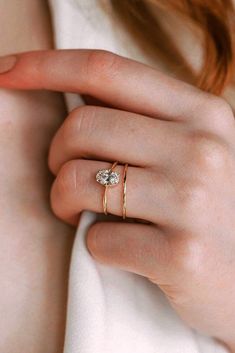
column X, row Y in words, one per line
column 124, row 191
column 107, row 178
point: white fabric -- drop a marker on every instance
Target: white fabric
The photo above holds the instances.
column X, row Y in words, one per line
column 109, row 310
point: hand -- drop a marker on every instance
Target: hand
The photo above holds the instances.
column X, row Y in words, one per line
column 180, row 144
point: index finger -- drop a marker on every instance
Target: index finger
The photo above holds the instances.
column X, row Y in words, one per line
column 118, row 81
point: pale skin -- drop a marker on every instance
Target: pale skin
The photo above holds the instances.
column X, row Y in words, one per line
column 186, row 160
column 179, row 142
column 35, row 246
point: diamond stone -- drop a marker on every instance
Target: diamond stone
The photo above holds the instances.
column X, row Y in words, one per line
column 107, row 177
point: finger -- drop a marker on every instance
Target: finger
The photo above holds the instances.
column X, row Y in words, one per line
column 75, row 189
column 139, row 248
column 118, row 81
column 108, row 134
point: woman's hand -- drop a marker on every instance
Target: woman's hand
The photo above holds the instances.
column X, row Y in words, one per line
column 180, row 145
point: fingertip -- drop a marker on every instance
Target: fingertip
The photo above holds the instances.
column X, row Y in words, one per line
column 50, row 161
column 91, row 239
column 71, row 220
column 7, row 63
column 23, row 70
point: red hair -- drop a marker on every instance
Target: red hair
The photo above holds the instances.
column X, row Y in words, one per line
column 215, row 19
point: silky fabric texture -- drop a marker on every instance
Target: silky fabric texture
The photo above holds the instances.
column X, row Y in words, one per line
column 110, row 310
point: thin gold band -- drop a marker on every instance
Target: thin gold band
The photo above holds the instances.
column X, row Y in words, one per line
column 124, row 191
column 105, row 202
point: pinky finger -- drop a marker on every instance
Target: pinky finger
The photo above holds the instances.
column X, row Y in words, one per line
column 138, row 248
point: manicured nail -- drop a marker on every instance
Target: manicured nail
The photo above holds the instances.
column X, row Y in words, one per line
column 7, row 63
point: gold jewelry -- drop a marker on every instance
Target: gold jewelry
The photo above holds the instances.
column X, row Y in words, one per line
column 124, row 191
column 107, row 177
column 105, row 206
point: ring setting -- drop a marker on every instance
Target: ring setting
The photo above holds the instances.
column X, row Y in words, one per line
column 107, row 177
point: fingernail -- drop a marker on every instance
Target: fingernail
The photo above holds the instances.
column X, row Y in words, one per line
column 7, row 63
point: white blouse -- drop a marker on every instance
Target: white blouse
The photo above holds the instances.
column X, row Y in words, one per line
column 109, row 310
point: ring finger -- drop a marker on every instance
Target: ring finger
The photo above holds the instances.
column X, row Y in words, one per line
column 75, row 189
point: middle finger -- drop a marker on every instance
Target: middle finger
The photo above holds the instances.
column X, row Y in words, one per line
column 108, row 134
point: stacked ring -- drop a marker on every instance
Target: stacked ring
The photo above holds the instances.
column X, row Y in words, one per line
column 124, row 191
column 107, row 178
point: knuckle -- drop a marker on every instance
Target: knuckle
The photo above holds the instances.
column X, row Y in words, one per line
column 218, row 112
column 208, row 153
column 66, row 181
column 190, row 256
column 78, row 126
column 192, row 197
column 220, row 106
column 69, row 186
column 102, row 66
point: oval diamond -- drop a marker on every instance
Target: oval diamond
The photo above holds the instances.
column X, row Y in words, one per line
column 107, row 177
